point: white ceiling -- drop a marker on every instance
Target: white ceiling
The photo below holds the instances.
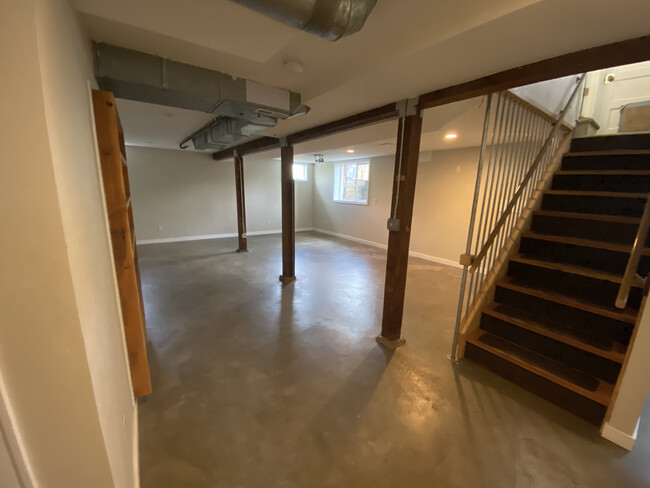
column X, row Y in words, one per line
column 407, row 47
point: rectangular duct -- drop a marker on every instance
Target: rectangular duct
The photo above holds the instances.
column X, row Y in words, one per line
column 241, row 107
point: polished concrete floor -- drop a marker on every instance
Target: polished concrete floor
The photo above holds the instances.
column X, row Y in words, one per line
column 260, row 385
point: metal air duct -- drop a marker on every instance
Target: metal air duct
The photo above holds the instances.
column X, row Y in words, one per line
column 242, row 108
column 330, row 19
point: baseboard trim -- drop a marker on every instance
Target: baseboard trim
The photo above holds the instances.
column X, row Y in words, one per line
column 136, row 446
column 426, row 257
column 436, row 259
column 618, row 437
column 351, row 238
column 164, row 240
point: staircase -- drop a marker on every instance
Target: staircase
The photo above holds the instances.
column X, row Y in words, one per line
column 553, row 327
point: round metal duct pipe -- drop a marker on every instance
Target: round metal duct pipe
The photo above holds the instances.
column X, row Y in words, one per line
column 330, row 19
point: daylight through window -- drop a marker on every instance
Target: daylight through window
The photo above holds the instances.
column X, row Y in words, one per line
column 299, row 172
column 351, row 182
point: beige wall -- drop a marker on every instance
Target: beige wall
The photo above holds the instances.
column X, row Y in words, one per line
column 9, row 477
column 62, row 353
column 443, row 199
column 189, row 195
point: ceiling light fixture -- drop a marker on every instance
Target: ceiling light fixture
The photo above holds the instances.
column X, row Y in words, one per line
column 451, row 136
column 350, row 151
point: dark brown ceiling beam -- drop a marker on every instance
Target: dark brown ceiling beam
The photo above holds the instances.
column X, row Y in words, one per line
column 250, row 147
column 379, row 114
column 616, row 54
column 376, row 115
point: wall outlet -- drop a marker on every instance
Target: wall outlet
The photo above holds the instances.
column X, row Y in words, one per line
column 160, row 227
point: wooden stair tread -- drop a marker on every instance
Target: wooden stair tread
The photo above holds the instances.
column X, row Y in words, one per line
column 611, row 350
column 626, row 315
column 609, row 246
column 603, row 172
column 609, row 152
column 603, row 194
column 619, row 219
column 600, row 392
column 576, row 270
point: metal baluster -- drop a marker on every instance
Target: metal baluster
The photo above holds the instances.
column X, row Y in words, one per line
column 468, row 247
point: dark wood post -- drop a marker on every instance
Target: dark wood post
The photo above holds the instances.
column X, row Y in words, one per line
column 288, row 214
column 399, row 224
column 241, row 203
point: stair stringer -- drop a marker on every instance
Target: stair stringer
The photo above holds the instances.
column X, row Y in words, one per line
column 472, row 319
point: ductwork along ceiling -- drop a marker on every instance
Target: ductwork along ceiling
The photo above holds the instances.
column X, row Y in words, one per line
column 329, row 19
column 242, row 108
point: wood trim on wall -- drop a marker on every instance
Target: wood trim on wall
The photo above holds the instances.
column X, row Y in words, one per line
column 110, row 142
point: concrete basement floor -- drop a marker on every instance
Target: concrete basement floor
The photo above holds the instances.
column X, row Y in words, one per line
column 260, row 385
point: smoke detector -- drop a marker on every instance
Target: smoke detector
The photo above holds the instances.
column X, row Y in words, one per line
column 293, row 66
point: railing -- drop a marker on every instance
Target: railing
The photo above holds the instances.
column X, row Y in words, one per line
column 519, row 141
column 630, row 275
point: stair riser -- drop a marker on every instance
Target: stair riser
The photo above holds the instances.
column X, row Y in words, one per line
column 573, row 357
column 588, row 257
column 567, row 399
column 615, row 232
column 618, row 183
column 629, row 207
column 609, row 143
column 598, row 292
column 618, row 162
column 585, row 322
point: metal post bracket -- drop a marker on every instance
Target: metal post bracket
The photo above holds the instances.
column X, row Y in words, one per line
column 408, row 106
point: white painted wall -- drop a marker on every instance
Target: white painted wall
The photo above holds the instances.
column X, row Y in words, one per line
column 621, row 426
column 62, row 354
column 443, row 199
column 190, row 195
column 552, row 96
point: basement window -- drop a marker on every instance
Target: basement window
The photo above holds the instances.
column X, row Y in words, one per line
column 299, row 172
column 351, row 182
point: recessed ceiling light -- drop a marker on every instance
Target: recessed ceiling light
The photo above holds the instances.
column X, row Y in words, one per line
column 451, row 136
column 350, row 151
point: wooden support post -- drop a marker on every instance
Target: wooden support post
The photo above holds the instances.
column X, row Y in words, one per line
column 241, row 203
column 288, row 214
column 399, row 224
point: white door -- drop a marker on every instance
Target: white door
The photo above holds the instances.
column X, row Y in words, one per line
column 613, row 88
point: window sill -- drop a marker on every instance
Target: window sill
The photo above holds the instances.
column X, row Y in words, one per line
column 350, row 202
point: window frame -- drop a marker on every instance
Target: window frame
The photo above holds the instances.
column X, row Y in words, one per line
column 306, row 172
column 337, row 182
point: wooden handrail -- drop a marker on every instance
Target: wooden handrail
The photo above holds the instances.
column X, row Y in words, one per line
column 476, row 261
column 635, row 257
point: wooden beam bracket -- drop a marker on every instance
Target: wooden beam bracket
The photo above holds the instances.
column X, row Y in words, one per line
column 466, row 259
